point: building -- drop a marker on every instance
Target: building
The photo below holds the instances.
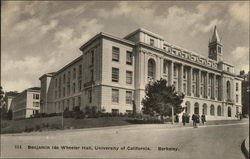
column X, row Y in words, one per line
column 112, row 72
column 9, row 96
column 26, row 104
column 245, row 92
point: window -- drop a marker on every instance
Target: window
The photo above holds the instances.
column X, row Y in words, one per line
column 64, row 78
column 219, row 110
column 227, row 69
column 80, row 70
column 55, row 94
column 175, row 71
column 74, row 73
column 79, row 86
column 219, row 50
column 228, row 90
column 165, row 67
column 73, row 102
column 115, row 75
column 91, row 75
column 68, row 89
column 184, row 88
column 212, row 110
column 35, row 96
column 79, row 101
column 64, row 91
column 56, row 83
column 74, row 87
column 36, row 104
column 59, row 92
column 129, row 58
column 128, row 97
column 184, row 73
column 115, row 111
column 151, row 68
column 237, row 98
column 237, row 86
column 129, row 75
column 68, row 76
column 175, row 84
column 92, row 54
column 115, row 95
column 115, row 54
column 152, row 42
column 90, row 96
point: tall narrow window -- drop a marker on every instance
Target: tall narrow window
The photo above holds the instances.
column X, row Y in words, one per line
column 237, row 86
column 90, row 95
column 129, row 75
column 228, row 90
column 80, row 70
column 74, row 73
column 165, row 67
column 128, row 97
column 80, row 86
column 152, row 42
column 115, row 75
column 69, row 76
column 115, row 54
column 92, row 54
column 115, row 95
column 129, row 58
column 151, row 69
column 74, row 87
column 237, row 98
column 92, row 75
column 64, row 78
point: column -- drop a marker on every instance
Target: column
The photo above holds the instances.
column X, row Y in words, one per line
column 208, row 96
column 171, row 73
column 214, row 87
column 190, row 82
column 180, row 78
column 206, row 85
column 198, row 93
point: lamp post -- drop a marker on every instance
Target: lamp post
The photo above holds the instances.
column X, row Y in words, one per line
column 172, row 114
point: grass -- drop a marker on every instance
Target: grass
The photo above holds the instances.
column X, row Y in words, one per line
column 53, row 123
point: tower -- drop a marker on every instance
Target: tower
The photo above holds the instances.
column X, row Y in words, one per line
column 215, row 47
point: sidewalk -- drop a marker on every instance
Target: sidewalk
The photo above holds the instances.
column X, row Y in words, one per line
column 134, row 127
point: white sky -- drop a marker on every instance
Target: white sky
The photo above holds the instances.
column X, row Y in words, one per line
column 41, row 37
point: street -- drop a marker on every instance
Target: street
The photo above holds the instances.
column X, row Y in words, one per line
column 136, row 141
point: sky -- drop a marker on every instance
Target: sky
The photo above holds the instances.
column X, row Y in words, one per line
column 41, row 37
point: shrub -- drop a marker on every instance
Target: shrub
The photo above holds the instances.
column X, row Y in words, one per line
column 38, row 128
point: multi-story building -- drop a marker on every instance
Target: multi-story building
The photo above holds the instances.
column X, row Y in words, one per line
column 245, row 92
column 26, row 104
column 112, row 74
column 9, row 96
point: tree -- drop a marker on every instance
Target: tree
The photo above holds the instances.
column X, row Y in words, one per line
column 160, row 98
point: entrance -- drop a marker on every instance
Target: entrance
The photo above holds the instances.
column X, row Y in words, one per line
column 196, row 108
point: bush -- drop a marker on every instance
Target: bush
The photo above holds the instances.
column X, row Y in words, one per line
column 38, row 128
column 28, row 129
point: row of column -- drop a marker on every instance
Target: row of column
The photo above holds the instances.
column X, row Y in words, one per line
column 193, row 77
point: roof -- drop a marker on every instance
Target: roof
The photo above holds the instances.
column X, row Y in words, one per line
column 34, row 88
column 48, row 74
column 215, row 37
column 144, row 31
column 107, row 35
column 69, row 64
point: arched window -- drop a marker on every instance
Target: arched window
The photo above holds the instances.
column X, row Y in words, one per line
column 151, row 69
column 204, row 109
column 219, row 110
column 187, row 107
column 229, row 112
column 212, row 109
column 228, row 90
column 196, row 108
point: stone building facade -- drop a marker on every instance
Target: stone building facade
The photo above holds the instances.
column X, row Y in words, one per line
column 26, row 104
column 112, row 73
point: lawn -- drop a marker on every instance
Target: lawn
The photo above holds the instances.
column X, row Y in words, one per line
column 53, row 123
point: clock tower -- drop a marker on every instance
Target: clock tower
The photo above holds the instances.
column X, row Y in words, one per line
column 215, row 47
